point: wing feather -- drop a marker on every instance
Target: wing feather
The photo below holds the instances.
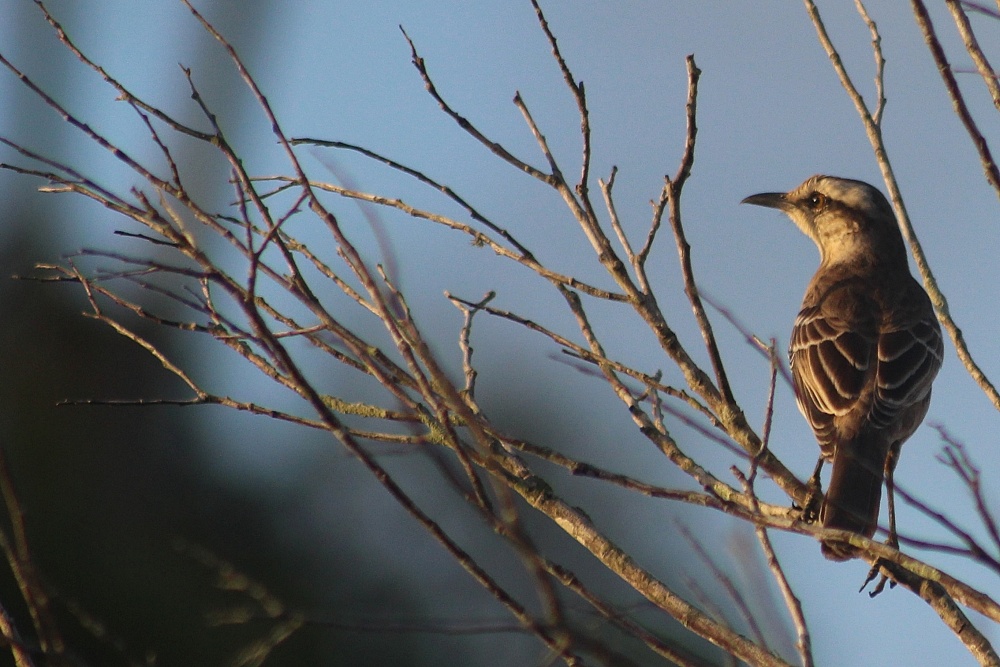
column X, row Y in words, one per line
column 841, row 364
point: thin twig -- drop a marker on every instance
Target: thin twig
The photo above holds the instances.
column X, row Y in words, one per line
column 606, row 191
column 751, row 338
column 478, row 238
column 879, row 62
column 464, row 340
column 732, row 590
column 990, row 169
column 465, row 124
column 673, row 188
column 983, row 65
column 937, row 598
column 423, row 178
column 956, row 457
column 792, row 603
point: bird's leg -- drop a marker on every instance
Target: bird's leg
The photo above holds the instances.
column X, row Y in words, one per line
column 880, row 566
column 890, row 490
column 810, row 509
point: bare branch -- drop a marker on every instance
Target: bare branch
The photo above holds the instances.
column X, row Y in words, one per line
column 937, row 597
column 466, row 125
column 972, row 47
column 464, row 339
column 951, row 84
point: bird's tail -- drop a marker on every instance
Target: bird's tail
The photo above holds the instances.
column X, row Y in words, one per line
column 855, row 493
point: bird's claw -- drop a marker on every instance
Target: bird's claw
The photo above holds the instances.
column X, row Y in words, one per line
column 814, row 500
column 883, row 570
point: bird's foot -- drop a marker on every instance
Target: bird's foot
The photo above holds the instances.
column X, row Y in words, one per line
column 814, row 500
column 884, row 571
column 814, row 497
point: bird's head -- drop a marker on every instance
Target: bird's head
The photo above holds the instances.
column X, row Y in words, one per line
column 847, row 219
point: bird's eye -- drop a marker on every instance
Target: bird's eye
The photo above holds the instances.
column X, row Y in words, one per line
column 816, row 201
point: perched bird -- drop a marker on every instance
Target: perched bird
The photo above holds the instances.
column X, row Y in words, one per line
column 864, row 350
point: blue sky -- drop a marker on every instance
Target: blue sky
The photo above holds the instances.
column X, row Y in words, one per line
column 771, row 112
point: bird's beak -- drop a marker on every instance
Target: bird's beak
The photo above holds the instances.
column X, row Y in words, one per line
column 776, row 200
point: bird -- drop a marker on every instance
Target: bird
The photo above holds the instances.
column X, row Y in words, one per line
column 864, row 350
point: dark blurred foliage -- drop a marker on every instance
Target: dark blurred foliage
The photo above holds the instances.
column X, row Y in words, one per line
column 108, row 491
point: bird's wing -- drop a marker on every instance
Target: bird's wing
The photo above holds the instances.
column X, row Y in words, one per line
column 909, row 356
column 833, row 358
column 845, row 360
